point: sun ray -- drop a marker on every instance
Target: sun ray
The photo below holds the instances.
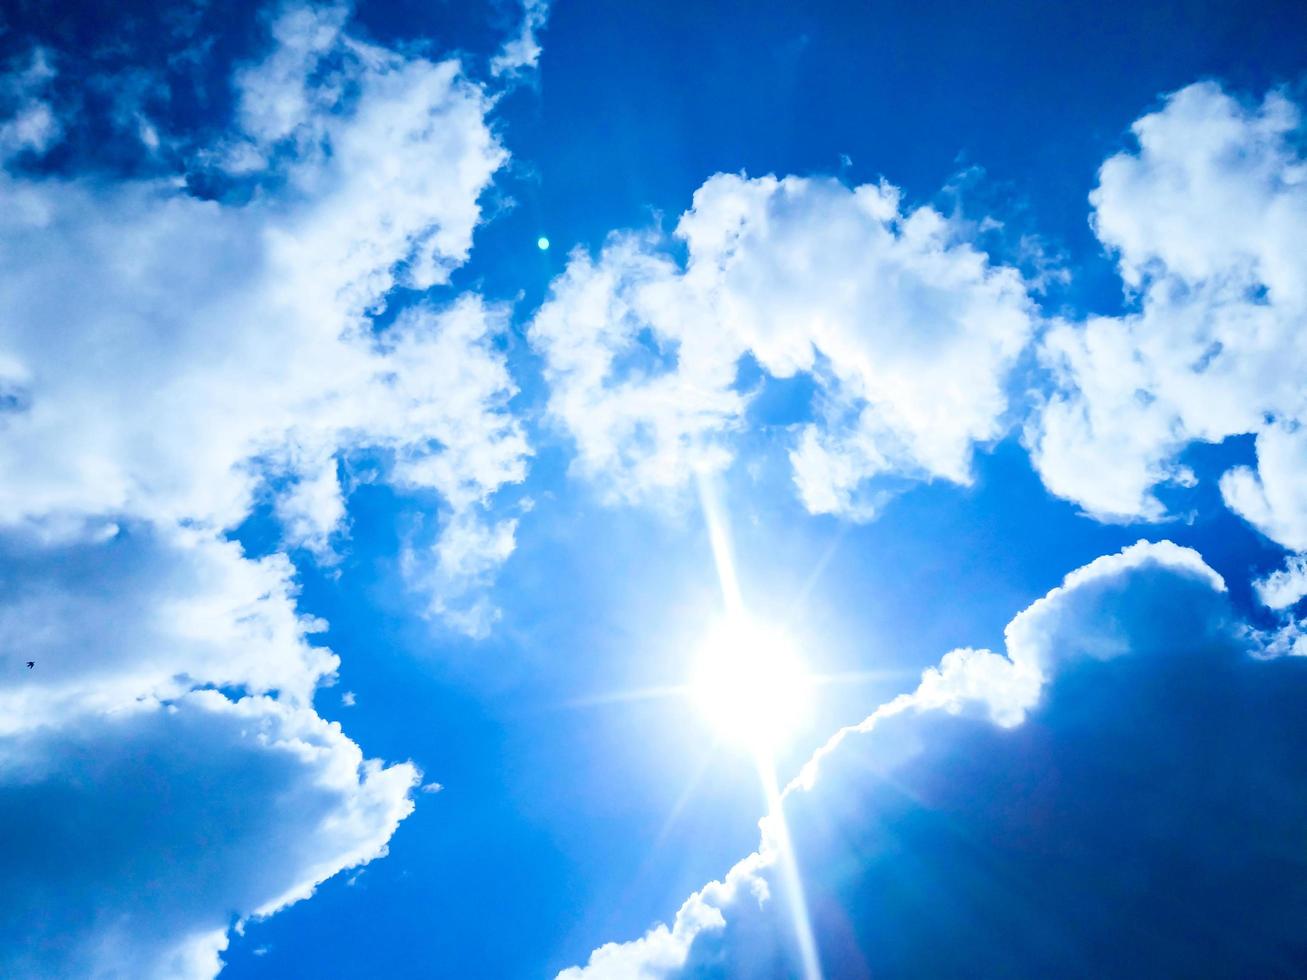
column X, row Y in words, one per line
column 752, row 687
column 682, row 801
column 720, row 540
column 761, row 663
column 789, row 868
column 656, row 693
column 801, row 597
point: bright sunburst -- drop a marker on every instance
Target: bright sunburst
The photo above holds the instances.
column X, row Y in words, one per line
column 750, row 683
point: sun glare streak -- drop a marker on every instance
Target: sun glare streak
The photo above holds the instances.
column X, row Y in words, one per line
column 789, row 868
column 623, row 697
column 682, row 801
column 805, row 591
column 720, row 539
column 751, row 685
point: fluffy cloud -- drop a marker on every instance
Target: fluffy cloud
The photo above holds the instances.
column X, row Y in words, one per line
column 1126, row 766
column 145, row 614
column 1208, row 219
column 1282, row 589
column 167, row 359
column 162, row 771
column 662, row 951
column 202, row 809
column 163, row 354
column 907, row 328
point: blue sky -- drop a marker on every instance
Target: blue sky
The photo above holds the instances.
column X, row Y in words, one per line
column 364, row 547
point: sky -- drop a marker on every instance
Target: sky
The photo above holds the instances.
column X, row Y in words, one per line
column 652, row 490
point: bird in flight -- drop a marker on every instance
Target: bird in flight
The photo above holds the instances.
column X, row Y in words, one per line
column 31, row 664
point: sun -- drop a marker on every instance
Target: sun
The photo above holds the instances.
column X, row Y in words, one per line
column 750, row 684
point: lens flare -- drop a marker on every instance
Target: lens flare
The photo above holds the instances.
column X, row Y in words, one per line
column 750, row 684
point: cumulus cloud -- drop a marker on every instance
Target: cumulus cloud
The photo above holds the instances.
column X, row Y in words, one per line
column 162, row 770
column 148, row 614
column 204, row 810
column 1027, row 812
column 662, row 951
column 906, row 327
column 168, row 359
column 1208, row 219
column 162, row 356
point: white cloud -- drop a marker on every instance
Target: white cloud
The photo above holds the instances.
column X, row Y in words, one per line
column 276, row 97
column 1093, row 615
column 522, row 51
column 1208, row 219
column 662, row 951
column 1124, row 606
column 148, row 614
column 467, row 554
column 1282, row 589
column 263, row 802
column 907, row 328
column 1287, row 639
column 160, row 354
column 168, row 667
column 166, row 361
column 1273, row 497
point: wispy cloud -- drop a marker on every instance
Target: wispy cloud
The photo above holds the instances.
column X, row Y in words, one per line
column 522, row 51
